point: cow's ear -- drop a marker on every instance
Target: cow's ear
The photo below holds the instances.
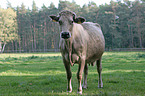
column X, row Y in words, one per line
column 54, row 18
column 79, row 20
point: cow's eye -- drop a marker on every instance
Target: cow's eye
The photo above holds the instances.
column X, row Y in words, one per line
column 60, row 22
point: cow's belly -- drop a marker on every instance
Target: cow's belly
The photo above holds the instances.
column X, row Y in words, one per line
column 75, row 58
column 90, row 59
column 94, row 52
column 93, row 58
column 94, row 55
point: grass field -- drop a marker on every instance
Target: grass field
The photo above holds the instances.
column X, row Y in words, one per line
column 43, row 74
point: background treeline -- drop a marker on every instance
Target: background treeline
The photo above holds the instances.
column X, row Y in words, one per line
column 123, row 24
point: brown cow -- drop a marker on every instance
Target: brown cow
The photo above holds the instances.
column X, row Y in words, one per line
column 80, row 42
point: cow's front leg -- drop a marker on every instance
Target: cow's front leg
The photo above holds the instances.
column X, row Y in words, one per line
column 79, row 75
column 99, row 69
column 85, row 76
column 69, row 75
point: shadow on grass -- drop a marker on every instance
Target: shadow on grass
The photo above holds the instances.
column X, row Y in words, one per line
column 115, row 84
column 123, row 75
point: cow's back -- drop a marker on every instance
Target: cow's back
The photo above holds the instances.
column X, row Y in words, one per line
column 95, row 42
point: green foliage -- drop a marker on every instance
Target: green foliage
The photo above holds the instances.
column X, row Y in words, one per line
column 122, row 24
column 44, row 74
column 8, row 27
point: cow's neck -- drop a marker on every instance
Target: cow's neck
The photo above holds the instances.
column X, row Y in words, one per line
column 68, row 44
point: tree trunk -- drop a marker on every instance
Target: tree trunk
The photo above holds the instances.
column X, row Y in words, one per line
column 34, row 36
column 16, row 46
column 131, row 37
column 139, row 32
column 3, row 47
column 32, row 39
column 0, row 47
column 23, row 43
column 97, row 16
column 0, row 40
column 44, row 35
column 13, row 46
column 20, row 45
column 138, row 27
column 26, row 42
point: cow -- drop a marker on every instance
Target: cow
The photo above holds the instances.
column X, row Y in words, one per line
column 82, row 43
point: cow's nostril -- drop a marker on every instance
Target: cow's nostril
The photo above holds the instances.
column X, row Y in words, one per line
column 65, row 35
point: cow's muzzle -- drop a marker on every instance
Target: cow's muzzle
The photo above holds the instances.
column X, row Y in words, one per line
column 65, row 35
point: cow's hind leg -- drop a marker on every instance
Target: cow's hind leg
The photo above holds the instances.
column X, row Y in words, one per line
column 99, row 69
column 85, row 76
column 69, row 75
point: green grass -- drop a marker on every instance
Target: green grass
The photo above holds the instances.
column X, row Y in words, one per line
column 43, row 74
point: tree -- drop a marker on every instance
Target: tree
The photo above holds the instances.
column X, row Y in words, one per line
column 22, row 22
column 137, row 18
column 34, row 18
column 66, row 5
column 8, row 27
column 122, row 24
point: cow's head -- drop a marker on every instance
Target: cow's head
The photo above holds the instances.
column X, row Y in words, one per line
column 66, row 20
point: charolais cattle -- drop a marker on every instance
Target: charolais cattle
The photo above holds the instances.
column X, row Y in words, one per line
column 82, row 43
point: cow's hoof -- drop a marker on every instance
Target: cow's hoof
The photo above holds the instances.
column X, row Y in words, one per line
column 69, row 91
column 85, row 87
column 79, row 92
column 100, row 86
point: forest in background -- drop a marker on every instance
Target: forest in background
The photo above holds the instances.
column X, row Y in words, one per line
column 122, row 23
